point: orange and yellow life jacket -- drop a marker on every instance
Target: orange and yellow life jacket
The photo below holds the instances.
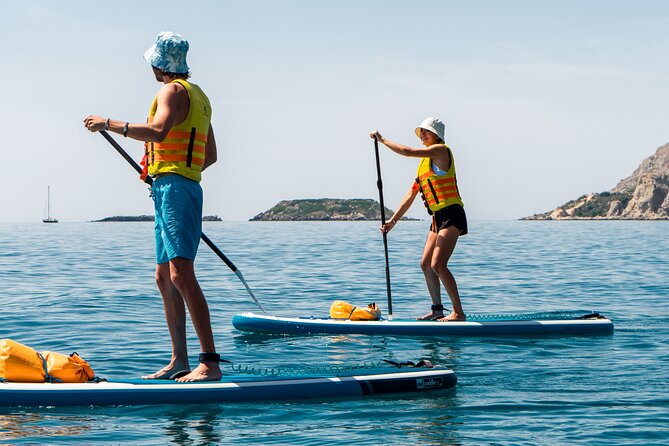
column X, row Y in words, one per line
column 437, row 191
column 183, row 149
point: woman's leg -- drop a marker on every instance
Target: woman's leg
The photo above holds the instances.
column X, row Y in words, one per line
column 444, row 247
column 431, row 278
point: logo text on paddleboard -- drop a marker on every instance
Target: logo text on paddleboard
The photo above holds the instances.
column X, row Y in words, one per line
column 429, row 383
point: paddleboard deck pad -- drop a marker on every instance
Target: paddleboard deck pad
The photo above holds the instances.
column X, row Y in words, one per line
column 554, row 323
column 241, row 388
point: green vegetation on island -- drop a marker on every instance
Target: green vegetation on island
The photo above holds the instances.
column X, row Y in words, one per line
column 324, row 209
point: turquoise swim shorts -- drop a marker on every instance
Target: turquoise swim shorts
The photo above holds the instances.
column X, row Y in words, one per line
column 178, row 224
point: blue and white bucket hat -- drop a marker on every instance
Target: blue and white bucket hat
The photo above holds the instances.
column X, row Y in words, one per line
column 168, row 53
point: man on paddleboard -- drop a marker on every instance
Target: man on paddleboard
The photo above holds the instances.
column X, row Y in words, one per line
column 179, row 145
column 438, row 187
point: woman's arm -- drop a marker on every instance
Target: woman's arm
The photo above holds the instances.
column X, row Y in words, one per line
column 401, row 210
column 435, row 151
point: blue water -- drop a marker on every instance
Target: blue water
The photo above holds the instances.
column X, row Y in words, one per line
column 88, row 287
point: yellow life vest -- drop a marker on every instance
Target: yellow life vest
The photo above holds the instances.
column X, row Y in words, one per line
column 182, row 150
column 344, row 310
column 437, row 191
column 20, row 363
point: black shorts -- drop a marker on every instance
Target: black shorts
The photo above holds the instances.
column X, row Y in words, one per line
column 453, row 215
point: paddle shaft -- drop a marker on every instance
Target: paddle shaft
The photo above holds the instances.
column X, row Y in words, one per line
column 206, row 239
column 379, row 185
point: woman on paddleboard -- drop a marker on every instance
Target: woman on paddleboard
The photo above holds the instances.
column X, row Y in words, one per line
column 438, row 187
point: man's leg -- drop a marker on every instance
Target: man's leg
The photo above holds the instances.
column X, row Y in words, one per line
column 175, row 316
column 182, row 275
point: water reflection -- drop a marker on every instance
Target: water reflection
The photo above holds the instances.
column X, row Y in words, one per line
column 40, row 425
column 195, row 425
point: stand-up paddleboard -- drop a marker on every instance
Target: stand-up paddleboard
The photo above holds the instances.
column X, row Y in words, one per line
column 229, row 389
column 475, row 325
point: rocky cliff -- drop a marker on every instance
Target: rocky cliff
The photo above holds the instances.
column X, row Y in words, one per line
column 644, row 195
column 324, row 209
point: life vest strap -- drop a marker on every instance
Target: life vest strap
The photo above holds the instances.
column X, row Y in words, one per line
column 434, row 192
column 422, row 196
column 189, row 157
column 183, row 134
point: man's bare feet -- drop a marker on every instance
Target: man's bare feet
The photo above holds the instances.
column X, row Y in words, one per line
column 209, row 371
column 168, row 371
column 453, row 317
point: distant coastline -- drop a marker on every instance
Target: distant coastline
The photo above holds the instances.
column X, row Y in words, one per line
column 134, row 218
column 644, row 195
column 325, row 209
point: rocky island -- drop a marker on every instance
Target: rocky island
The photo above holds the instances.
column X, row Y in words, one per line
column 644, row 195
column 327, row 209
column 125, row 218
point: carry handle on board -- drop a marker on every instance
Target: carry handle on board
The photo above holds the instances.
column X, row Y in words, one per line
column 206, row 239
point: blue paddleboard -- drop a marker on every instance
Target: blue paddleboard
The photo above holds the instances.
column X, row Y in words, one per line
column 230, row 389
column 475, row 325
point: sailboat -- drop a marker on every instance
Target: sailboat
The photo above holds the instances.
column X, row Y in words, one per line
column 48, row 218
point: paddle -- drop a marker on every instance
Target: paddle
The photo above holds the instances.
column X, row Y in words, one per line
column 206, row 239
column 379, row 184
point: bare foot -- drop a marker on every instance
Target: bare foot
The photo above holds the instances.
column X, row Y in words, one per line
column 453, row 317
column 209, row 371
column 167, row 371
column 432, row 316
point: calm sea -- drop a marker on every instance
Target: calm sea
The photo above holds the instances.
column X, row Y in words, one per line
column 88, row 287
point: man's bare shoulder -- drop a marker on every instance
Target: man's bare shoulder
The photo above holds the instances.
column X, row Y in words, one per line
column 173, row 91
column 173, row 88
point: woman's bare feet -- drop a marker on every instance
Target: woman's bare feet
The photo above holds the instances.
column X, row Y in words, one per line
column 168, row 371
column 453, row 317
column 431, row 316
column 436, row 313
column 204, row 372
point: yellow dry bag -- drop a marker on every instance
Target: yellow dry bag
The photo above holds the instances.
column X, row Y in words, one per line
column 19, row 363
column 344, row 310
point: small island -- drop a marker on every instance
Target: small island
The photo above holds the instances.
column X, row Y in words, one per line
column 132, row 218
column 325, row 209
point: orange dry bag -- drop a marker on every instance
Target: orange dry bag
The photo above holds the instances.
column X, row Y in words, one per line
column 19, row 363
column 344, row 310
column 68, row 369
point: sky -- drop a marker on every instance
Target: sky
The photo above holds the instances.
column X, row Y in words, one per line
column 543, row 101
